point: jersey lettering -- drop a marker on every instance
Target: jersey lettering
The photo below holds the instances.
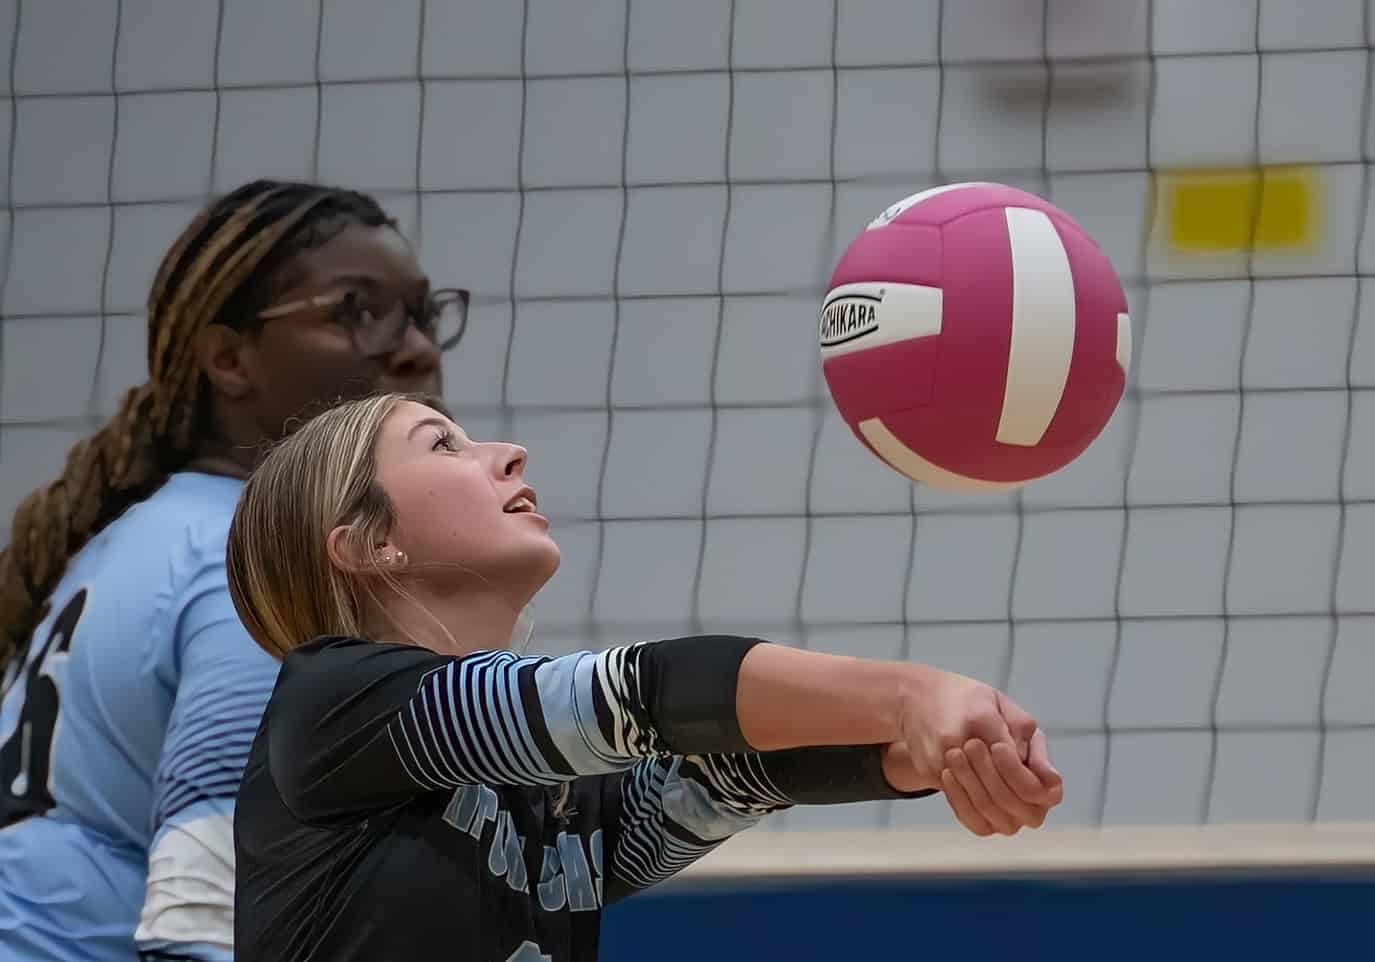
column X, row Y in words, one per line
column 26, row 757
column 595, row 845
column 582, row 894
column 553, row 895
column 528, row 952
column 565, row 879
column 471, row 808
column 506, row 856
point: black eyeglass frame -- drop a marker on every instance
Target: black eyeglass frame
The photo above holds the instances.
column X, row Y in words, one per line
column 441, row 297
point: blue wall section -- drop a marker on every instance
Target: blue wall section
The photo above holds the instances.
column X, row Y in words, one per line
column 1174, row 918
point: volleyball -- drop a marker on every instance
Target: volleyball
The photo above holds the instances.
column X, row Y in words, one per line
column 975, row 338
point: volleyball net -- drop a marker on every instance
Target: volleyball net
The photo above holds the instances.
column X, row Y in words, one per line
column 646, row 198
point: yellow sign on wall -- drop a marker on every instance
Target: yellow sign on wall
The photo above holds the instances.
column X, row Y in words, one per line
column 1268, row 209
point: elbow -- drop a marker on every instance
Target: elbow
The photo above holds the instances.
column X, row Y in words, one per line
column 690, row 691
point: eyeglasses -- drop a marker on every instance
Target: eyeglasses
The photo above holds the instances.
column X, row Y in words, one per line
column 377, row 321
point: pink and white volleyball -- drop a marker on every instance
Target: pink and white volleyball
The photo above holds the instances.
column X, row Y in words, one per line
column 975, row 338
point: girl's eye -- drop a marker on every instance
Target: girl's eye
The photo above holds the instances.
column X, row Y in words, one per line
column 352, row 309
column 444, row 441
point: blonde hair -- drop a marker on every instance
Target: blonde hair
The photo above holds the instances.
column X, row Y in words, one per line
column 324, row 474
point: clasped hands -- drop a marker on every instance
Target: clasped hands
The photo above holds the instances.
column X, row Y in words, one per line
column 980, row 749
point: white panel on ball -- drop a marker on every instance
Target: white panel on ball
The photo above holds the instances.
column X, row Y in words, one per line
column 916, row 467
column 1124, row 342
column 897, row 208
column 1042, row 328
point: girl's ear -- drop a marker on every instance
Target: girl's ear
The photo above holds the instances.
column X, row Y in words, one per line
column 347, row 552
column 341, row 549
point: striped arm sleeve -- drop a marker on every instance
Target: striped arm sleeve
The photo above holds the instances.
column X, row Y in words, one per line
column 672, row 812
column 468, row 724
column 356, row 726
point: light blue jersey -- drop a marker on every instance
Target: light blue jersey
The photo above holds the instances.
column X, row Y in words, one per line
column 131, row 714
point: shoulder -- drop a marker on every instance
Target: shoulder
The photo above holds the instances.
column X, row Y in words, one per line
column 194, row 509
column 326, row 670
column 331, row 654
column 136, row 578
column 179, row 529
column 335, row 695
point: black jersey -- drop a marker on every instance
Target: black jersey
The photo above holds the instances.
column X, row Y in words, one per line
column 401, row 804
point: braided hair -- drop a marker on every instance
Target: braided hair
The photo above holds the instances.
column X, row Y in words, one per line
column 220, row 270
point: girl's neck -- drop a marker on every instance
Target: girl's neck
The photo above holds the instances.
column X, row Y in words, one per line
column 449, row 622
column 222, row 457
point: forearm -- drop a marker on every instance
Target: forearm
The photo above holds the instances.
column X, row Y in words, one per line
column 840, row 774
column 820, row 729
column 789, row 698
column 723, row 695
